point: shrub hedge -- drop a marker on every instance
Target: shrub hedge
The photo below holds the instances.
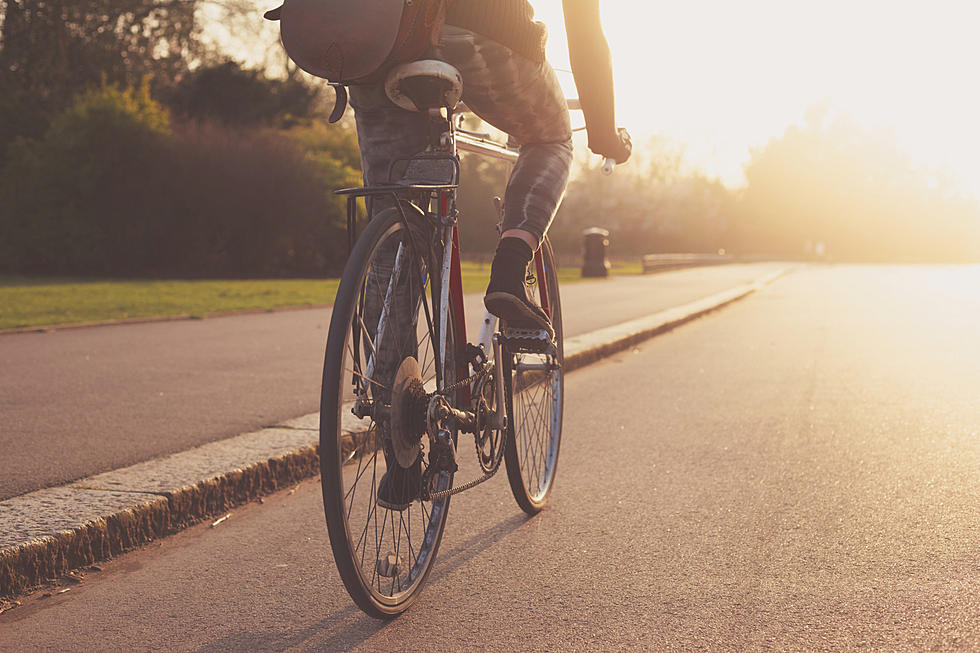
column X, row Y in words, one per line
column 113, row 188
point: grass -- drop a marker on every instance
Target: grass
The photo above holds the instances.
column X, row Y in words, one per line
column 32, row 302
column 35, row 302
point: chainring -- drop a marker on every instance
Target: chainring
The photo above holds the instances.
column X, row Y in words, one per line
column 489, row 441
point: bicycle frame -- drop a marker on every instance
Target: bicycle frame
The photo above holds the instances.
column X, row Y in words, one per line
column 462, row 140
column 452, row 141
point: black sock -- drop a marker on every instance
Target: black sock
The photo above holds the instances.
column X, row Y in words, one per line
column 509, row 266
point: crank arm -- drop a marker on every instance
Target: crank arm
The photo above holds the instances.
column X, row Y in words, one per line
column 498, row 418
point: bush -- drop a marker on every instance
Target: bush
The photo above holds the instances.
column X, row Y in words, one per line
column 113, row 189
column 67, row 199
column 254, row 203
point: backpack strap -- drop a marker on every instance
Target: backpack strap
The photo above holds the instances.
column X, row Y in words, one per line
column 340, row 103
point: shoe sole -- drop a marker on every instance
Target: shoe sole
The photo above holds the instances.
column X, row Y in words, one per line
column 515, row 312
column 395, row 508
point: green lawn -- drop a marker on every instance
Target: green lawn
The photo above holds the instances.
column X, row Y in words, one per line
column 28, row 302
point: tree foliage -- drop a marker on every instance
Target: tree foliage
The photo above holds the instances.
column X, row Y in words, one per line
column 113, row 189
column 232, row 95
column 654, row 204
column 831, row 181
column 481, row 180
column 50, row 50
column 57, row 193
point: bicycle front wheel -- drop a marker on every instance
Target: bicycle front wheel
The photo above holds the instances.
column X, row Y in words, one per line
column 534, row 391
column 386, row 310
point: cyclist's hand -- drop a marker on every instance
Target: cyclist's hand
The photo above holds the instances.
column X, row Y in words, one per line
column 616, row 146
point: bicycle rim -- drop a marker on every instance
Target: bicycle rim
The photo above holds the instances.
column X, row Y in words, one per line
column 384, row 312
column 534, row 406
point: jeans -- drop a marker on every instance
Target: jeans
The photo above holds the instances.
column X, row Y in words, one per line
column 512, row 93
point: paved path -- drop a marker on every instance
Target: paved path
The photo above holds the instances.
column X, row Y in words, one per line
column 796, row 472
column 79, row 402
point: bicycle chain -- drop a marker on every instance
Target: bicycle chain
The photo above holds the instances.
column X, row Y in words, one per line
column 435, row 496
column 459, row 384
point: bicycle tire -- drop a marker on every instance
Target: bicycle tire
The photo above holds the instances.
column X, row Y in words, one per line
column 535, row 418
column 362, row 533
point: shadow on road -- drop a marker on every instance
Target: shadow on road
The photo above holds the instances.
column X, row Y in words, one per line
column 349, row 627
column 471, row 548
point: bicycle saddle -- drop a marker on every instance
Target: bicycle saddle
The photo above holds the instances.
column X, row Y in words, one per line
column 423, row 85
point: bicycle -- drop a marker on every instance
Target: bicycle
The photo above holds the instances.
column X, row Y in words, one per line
column 401, row 383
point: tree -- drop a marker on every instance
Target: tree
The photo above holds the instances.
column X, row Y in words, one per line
column 231, row 95
column 654, row 204
column 50, row 50
column 829, row 180
column 112, row 189
column 78, row 199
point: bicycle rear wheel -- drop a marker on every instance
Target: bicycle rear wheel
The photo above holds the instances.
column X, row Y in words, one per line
column 534, row 392
column 386, row 310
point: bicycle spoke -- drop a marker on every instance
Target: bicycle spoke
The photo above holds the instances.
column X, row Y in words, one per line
column 357, row 478
column 411, row 549
column 537, row 439
column 528, row 453
column 378, row 540
column 389, row 314
column 372, row 513
column 366, row 332
column 535, row 388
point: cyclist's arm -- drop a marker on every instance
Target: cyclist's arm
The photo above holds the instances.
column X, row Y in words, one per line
column 591, row 62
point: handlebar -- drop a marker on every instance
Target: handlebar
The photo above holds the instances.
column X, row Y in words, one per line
column 608, row 163
column 481, row 143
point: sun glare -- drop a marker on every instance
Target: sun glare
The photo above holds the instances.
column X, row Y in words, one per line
column 722, row 77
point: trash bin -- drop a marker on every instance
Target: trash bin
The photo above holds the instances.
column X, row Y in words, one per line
column 594, row 261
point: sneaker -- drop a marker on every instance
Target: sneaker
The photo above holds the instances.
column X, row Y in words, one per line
column 517, row 312
column 399, row 487
column 507, row 296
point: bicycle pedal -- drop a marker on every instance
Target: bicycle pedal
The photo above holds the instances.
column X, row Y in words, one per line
column 533, row 340
column 390, row 566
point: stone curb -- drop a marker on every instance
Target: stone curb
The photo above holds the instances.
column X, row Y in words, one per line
column 47, row 533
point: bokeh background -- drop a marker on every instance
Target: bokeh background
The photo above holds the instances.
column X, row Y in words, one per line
column 172, row 138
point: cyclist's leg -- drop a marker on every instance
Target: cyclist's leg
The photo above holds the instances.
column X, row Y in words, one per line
column 524, row 99
column 386, row 133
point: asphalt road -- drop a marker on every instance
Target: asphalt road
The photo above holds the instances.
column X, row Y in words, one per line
column 796, row 472
column 79, row 402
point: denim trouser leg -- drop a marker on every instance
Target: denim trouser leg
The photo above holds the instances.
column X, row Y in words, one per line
column 512, row 93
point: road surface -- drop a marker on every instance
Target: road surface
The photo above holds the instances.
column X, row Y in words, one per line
column 798, row 471
column 80, row 402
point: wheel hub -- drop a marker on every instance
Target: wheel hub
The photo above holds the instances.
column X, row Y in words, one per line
column 409, row 404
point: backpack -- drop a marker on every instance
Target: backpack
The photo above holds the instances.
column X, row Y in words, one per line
column 357, row 41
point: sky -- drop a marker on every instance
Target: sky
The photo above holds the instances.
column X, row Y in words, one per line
column 722, row 77
column 719, row 78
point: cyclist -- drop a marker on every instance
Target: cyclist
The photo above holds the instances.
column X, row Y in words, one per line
column 499, row 50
